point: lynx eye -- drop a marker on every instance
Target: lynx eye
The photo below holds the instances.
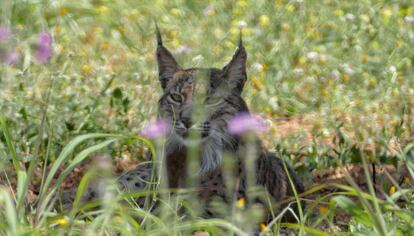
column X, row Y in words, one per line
column 175, row 98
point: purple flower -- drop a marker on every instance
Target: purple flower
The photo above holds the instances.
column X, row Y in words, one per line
column 5, row 32
column 13, row 58
column 245, row 122
column 156, row 129
column 44, row 47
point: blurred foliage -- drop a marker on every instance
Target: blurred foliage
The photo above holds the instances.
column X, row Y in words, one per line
column 344, row 68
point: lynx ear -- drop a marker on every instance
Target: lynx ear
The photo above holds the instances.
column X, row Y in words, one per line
column 167, row 65
column 235, row 70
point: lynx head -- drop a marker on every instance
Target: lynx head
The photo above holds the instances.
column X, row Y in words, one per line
column 199, row 102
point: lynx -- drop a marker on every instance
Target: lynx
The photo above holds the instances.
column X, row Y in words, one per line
column 199, row 103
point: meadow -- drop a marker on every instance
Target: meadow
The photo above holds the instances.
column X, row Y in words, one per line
column 334, row 81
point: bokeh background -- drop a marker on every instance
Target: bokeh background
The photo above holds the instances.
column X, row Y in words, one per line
column 320, row 72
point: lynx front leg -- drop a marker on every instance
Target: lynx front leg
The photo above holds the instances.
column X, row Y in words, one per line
column 272, row 175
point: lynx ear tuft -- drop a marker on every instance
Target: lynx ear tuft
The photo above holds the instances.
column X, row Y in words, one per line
column 159, row 38
column 235, row 70
column 167, row 65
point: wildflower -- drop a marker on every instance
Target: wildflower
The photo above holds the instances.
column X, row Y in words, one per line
column 290, row 8
column 313, row 56
column 241, row 24
column 323, row 209
column 339, row 12
column 264, row 21
column 257, row 66
column 364, row 58
column 263, row 227
column 392, row 69
column 241, row 203
column 156, row 129
column 62, row 222
column 350, row 17
column 392, row 190
column 105, row 45
column 183, row 49
column 409, row 19
column 372, row 82
column 63, row 11
column 245, row 122
column 13, row 58
column 102, row 9
column 175, row 11
column 86, row 69
column 407, row 180
column 4, row 33
column 44, row 48
column 257, row 83
column 346, row 77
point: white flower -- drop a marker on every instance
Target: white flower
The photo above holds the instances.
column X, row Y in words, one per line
column 336, row 74
column 313, row 56
column 183, row 49
column 392, row 69
column 198, row 58
column 257, row 66
column 348, row 69
column 409, row 19
column 298, row 71
column 349, row 17
column 241, row 24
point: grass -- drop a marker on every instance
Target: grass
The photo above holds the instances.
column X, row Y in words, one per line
column 333, row 79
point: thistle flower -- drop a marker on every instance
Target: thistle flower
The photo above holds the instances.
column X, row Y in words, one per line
column 245, row 122
column 156, row 129
column 12, row 58
column 4, row 33
column 44, row 48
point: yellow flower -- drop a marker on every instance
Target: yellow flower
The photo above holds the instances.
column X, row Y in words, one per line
column 392, row 190
column 407, row 180
column 346, row 77
column 86, row 69
column 242, row 3
column 364, row 58
column 257, row 83
column 58, row 29
column 20, row 27
column 175, row 11
column 63, row 11
column 323, row 209
column 262, row 227
column 278, row 2
column 373, row 82
column 102, row 9
column 339, row 13
column 285, row 27
column 62, row 222
column 105, row 45
column 264, row 21
column 387, row 12
column 290, row 8
column 241, row 203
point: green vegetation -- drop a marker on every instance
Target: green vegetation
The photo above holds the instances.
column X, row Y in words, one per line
column 334, row 79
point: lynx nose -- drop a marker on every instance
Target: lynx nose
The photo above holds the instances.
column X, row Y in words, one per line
column 180, row 128
column 186, row 117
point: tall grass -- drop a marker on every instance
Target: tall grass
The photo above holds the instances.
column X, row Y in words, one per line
column 340, row 72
